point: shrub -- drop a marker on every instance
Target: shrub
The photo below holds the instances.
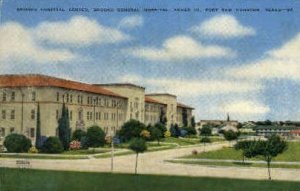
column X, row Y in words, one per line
column 78, row 134
column 205, row 140
column 167, row 134
column 84, row 143
column 175, row 131
column 52, row 145
column 95, row 137
column 145, row 134
column 131, row 129
column 75, row 145
column 190, row 130
column 161, row 127
column 33, row 150
column 17, row 143
column 230, row 135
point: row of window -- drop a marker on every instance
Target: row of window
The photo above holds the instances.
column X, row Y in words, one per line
column 95, row 101
column 152, row 118
column 3, row 131
column 13, row 96
column 12, row 114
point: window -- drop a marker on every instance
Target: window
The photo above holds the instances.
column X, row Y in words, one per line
column 71, row 115
column 2, row 132
column 32, row 132
column 57, row 96
column 91, row 115
column 3, row 114
column 32, row 114
column 67, row 98
column 12, row 114
column 78, row 99
column 57, row 114
column 33, row 96
column 4, row 96
column 71, row 98
column 13, row 96
column 88, row 115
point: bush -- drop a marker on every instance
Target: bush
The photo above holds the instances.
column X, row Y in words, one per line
column 161, row 127
column 131, row 129
column 190, row 130
column 167, row 134
column 17, row 143
column 145, row 134
column 33, row 150
column 175, row 131
column 75, row 145
column 95, row 137
column 230, row 135
column 52, row 145
column 84, row 143
column 78, row 134
column 205, row 140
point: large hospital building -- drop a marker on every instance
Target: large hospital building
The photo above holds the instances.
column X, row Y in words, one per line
column 106, row 105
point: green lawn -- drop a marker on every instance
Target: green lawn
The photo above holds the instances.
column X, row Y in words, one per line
column 85, row 152
column 292, row 154
column 34, row 156
column 189, row 141
column 36, row 180
column 236, row 164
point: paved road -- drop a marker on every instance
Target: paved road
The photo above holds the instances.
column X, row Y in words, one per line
column 154, row 163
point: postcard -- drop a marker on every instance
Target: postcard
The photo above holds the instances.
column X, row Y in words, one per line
column 149, row 95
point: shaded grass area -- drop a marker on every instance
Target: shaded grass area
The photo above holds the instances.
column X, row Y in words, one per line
column 21, row 180
column 237, row 164
column 84, row 152
column 291, row 155
column 190, row 141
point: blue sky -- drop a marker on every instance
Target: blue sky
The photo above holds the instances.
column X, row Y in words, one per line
column 246, row 64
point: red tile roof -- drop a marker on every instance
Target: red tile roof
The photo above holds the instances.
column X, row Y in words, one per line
column 295, row 131
column 184, row 106
column 150, row 100
column 36, row 80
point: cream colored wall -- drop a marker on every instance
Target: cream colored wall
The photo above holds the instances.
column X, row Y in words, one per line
column 152, row 112
column 171, row 111
column 47, row 97
column 135, row 95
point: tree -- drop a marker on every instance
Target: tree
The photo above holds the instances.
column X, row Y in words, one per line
column 95, row 136
column 52, row 145
column 38, row 135
column 155, row 134
column 269, row 149
column 244, row 146
column 230, row 135
column 131, row 129
column 162, row 117
column 138, row 145
column 78, row 134
column 175, row 131
column 17, row 143
column 64, row 130
column 184, row 117
column 205, row 131
column 161, row 127
column 193, row 122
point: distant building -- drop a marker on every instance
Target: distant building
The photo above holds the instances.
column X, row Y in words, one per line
column 267, row 130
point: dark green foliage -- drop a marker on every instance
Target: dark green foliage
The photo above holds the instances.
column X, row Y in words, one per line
column 78, row 134
column 17, row 143
column 175, row 131
column 230, row 135
column 190, row 130
column 64, row 131
column 38, row 141
column 246, row 147
column 184, row 117
column 95, row 137
column 205, row 130
column 205, row 140
column 267, row 149
column 155, row 134
column 193, row 122
column 52, row 145
column 84, row 142
column 138, row 145
column 131, row 129
column 162, row 117
column 161, row 127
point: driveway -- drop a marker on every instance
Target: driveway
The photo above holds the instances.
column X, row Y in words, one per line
column 155, row 163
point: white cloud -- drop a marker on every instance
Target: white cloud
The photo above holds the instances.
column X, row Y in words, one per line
column 190, row 87
column 180, row 48
column 78, row 31
column 223, row 26
column 283, row 63
column 245, row 107
column 17, row 43
column 131, row 22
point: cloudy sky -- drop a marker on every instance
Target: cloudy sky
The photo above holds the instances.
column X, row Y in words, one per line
column 244, row 64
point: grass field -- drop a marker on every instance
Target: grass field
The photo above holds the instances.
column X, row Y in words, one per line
column 236, row 164
column 36, row 180
column 292, row 154
column 189, row 141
